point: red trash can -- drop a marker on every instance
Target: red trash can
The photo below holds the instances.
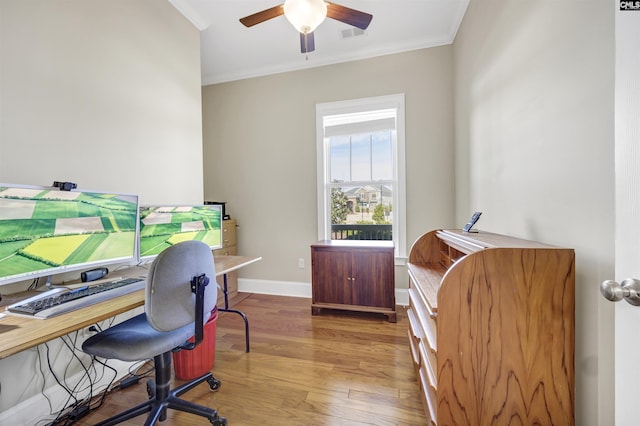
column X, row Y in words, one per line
column 188, row 365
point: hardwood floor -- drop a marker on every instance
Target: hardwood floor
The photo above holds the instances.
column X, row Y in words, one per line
column 332, row 369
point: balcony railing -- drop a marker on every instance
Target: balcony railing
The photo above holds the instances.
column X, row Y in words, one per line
column 360, row 232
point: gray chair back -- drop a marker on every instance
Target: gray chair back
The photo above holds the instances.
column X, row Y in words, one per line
column 169, row 300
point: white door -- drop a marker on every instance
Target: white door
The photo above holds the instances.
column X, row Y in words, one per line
column 627, row 263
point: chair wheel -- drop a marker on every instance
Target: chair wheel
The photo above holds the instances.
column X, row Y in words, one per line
column 214, row 384
column 220, row 421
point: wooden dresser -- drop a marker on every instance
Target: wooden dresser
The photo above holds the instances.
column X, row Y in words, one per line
column 229, row 248
column 353, row 275
column 491, row 328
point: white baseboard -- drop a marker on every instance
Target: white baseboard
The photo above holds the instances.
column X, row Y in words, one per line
column 402, row 296
column 276, row 288
column 296, row 289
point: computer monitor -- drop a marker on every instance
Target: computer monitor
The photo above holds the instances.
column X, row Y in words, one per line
column 163, row 226
column 46, row 231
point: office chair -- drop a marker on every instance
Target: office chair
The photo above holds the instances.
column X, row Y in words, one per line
column 176, row 308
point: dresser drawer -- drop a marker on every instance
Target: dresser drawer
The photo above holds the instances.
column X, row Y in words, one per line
column 415, row 337
column 429, row 397
column 428, row 364
column 430, row 332
column 228, row 233
column 426, row 322
column 423, row 339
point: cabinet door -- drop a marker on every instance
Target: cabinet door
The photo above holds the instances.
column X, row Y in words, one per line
column 372, row 282
column 331, row 268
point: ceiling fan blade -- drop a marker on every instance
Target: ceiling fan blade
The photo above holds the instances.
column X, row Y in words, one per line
column 265, row 15
column 349, row 16
column 307, row 42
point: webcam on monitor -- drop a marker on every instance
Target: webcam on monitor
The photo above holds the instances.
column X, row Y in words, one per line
column 65, row 186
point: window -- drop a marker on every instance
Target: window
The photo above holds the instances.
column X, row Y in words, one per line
column 361, row 180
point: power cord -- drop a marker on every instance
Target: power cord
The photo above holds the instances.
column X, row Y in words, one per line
column 129, row 381
column 75, row 407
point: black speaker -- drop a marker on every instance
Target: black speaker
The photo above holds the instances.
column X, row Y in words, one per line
column 225, row 216
column 93, row 274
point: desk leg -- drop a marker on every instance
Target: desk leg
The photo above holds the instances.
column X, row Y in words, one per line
column 225, row 290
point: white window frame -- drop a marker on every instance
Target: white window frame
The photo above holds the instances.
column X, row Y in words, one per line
column 399, row 176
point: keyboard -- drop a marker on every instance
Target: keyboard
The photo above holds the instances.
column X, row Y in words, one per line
column 71, row 300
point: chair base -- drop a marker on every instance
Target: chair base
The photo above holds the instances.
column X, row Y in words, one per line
column 162, row 398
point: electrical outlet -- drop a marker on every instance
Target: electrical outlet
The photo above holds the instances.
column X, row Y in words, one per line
column 301, row 263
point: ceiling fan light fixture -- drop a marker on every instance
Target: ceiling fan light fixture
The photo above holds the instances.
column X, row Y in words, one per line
column 305, row 15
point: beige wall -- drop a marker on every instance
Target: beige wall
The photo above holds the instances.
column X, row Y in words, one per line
column 534, row 151
column 106, row 94
column 102, row 93
column 260, row 151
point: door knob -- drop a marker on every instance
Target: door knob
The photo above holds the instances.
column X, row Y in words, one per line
column 629, row 290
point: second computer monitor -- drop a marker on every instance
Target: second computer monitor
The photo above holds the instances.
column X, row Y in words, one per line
column 164, row 226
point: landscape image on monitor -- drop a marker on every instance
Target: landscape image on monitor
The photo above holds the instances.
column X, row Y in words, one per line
column 164, row 226
column 45, row 229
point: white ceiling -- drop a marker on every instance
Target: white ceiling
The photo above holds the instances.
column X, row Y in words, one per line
column 231, row 51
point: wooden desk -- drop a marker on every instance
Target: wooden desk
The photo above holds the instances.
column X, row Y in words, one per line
column 18, row 333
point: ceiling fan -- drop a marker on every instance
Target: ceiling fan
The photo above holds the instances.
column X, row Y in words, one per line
column 306, row 15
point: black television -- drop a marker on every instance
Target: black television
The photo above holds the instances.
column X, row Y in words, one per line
column 46, row 231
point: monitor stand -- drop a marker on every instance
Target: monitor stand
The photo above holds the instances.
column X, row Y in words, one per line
column 39, row 287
